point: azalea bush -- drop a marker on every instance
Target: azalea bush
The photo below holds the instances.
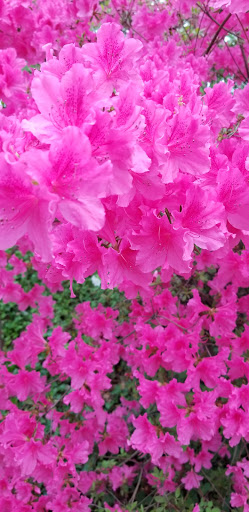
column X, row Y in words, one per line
column 124, row 256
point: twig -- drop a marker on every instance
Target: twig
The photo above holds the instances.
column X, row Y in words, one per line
column 244, row 58
column 127, row 335
column 138, row 33
column 206, row 33
column 52, row 382
column 129, row 458
column 240, row 40
column 137, row 486
column 216, row 34
column 131, row 7
column 214, row 20
column 212, row 484
column 182, row 22
column 241, row 72
column 57, row 401
column 1, row 338
column 152, row 493
column 134, row 331
column 245, row 444
column 215, row 488
column 198, row 31
column 242, row 27
column 175, row 323
column 115, row 497
column 234, row 455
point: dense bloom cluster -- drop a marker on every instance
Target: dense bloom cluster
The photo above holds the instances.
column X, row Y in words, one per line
column 123, row 153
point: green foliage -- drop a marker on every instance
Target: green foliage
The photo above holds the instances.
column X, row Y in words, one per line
column 13, row 321
column 29, row 68
column 64, row 307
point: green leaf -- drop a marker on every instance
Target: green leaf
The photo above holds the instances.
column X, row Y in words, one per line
column 178, row 492
column 160, row 499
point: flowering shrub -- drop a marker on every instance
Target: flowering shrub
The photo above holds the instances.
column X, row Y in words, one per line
column 124, row 141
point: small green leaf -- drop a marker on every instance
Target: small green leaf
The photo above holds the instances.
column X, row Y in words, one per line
column 178, row 492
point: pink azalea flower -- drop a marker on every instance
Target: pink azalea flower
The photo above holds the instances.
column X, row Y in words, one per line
column 192, row 481
column 205, row 224
column 166, row 246
column 61, row 103
column 184, row 137
column 25, row 384
column 24, row 208
column 113, row 57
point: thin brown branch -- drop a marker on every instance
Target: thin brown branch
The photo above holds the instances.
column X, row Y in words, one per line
column 210, row 46
column 175, row 323
column 152, row 317
column 127, row 335
column 198, row 30
column 214, row 20
column 138, row 33
column 206, row 33
column 129, row 458
column 1, row 338
column 235, row 62
column 214, row 487
column 242, row 27
column 115, row 497
column 182, row 22
column 240, row 40
column 137, row 486
column 244, row 58
column 247, row 452
column 57, row 401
